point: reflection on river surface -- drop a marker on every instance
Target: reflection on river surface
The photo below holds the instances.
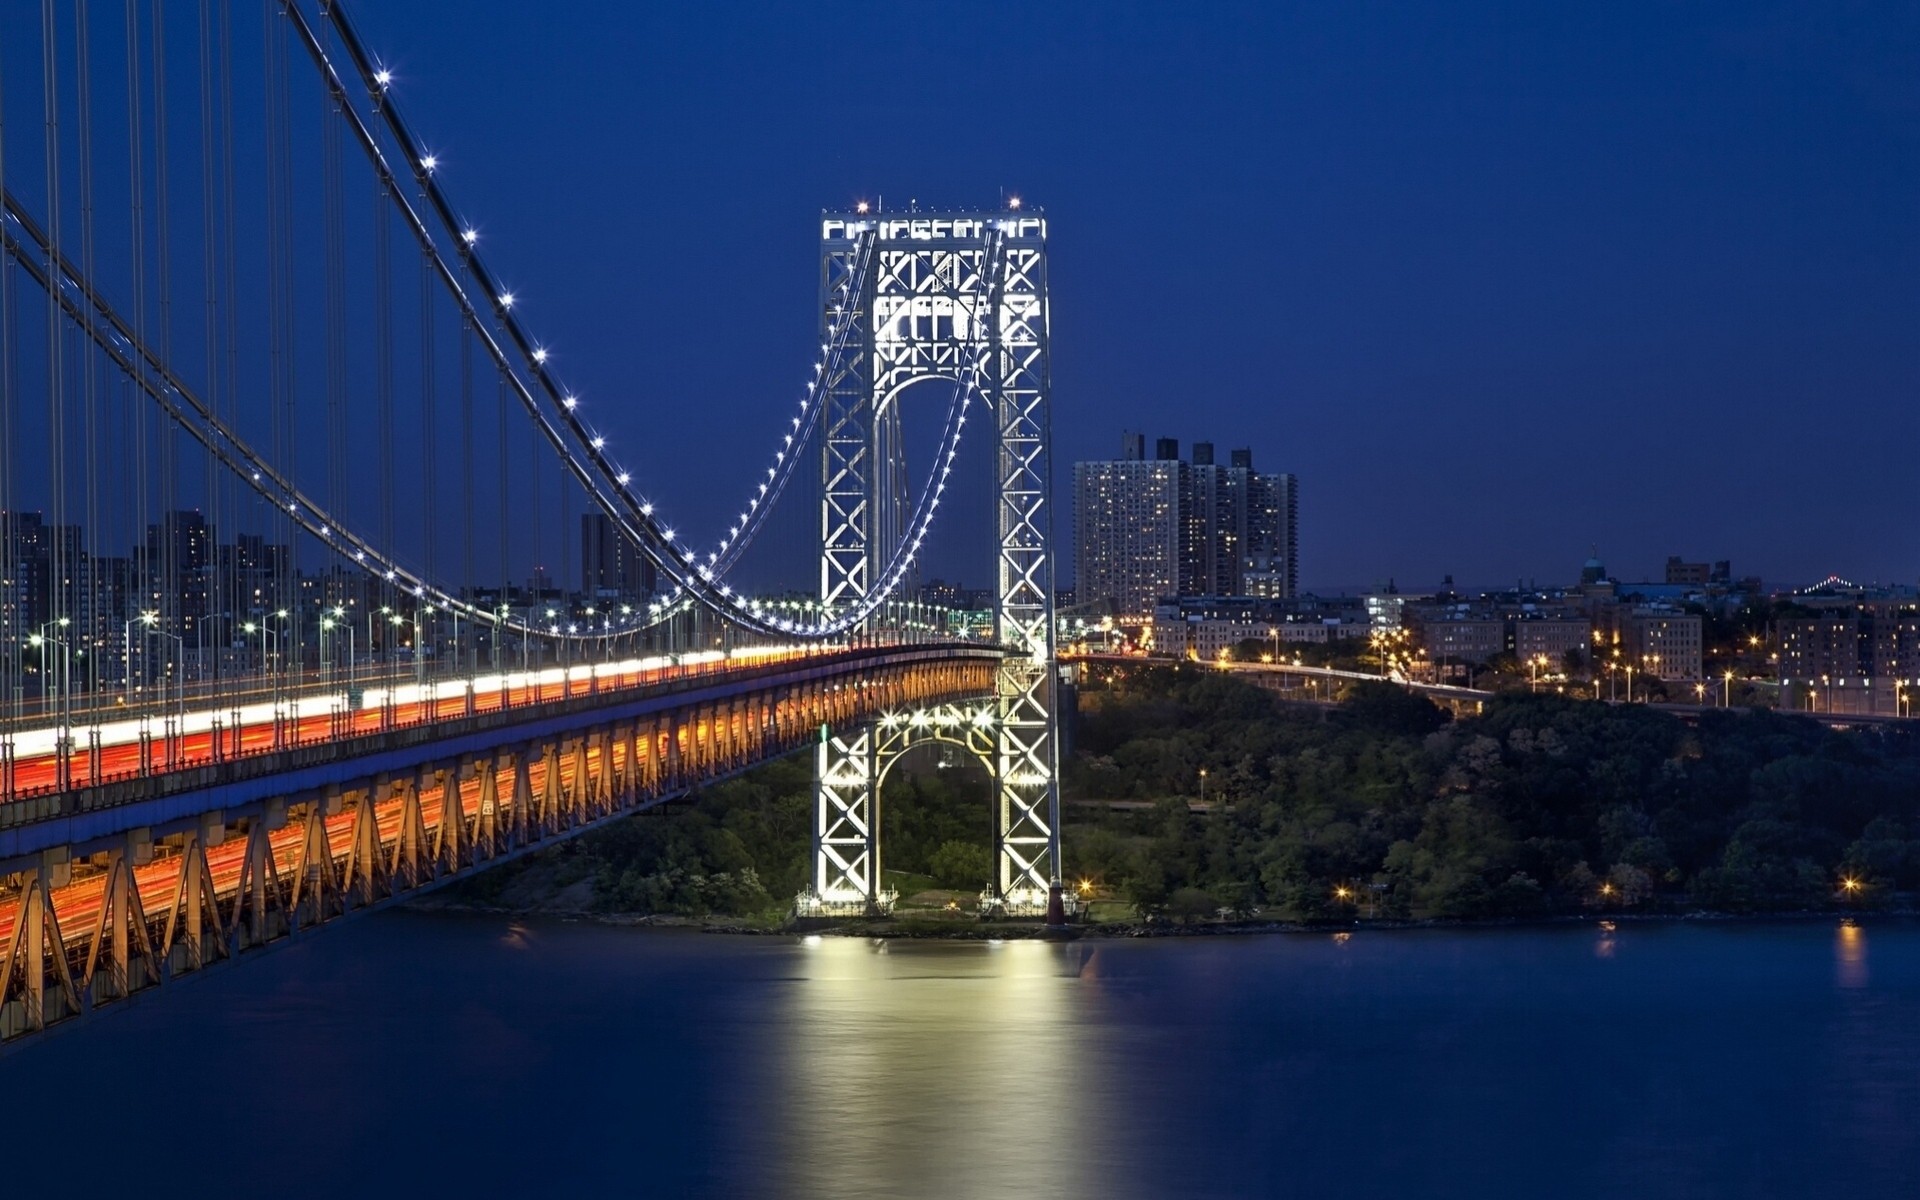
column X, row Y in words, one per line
column 437, row 1055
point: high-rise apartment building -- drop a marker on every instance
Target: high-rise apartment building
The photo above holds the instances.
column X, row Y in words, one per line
column 1273, row 517
column 1148, row 530
column 1127, row 532
column 611, row 566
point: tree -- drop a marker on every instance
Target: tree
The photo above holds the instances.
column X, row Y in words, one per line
column 961, row 865
column 1391, row 709
column 1189, row 904
column 1253, row 650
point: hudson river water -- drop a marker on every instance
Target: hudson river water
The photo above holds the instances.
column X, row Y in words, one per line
column 430, row 1055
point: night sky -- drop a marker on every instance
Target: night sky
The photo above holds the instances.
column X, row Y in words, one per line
column 1497, row 281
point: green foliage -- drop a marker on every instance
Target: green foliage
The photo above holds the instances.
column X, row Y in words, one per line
column 961, row 865
column 1390, row 709
column 740, row 848
column 1542, row 803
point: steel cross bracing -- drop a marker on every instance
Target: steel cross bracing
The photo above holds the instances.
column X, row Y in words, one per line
column 849, row 769
column 948, row 295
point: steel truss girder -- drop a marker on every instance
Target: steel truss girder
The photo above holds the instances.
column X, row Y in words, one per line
column 86, row 931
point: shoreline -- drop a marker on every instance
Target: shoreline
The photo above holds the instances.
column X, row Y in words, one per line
column 978, row 931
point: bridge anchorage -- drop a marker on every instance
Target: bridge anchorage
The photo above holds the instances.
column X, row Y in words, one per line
column 960, row 297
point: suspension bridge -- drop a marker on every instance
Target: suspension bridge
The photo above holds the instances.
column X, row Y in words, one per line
column 283, row 462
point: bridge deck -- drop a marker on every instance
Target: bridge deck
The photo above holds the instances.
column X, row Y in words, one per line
column 118, row 888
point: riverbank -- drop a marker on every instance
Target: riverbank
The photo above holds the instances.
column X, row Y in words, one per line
column 975, row 929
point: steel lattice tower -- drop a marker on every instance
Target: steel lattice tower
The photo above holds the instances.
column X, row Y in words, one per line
column 960, row 297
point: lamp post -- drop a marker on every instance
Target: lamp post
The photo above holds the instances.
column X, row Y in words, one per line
column 148, row 618
column 59, row 704
column 248, row 629
column 176, row 725
column 55, row 704
column 419, row 636
column 270, row 675
column 330, row 623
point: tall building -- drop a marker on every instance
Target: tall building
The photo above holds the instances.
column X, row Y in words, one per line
column 1215, row 526
column 1273, row 519
column 1148, row 530
column 610, row 565
column 1127, row 532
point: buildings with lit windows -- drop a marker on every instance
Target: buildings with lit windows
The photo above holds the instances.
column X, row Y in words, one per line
column 1146, row 529
column 611, row 566
column 1861, row 658
column 1663, row 643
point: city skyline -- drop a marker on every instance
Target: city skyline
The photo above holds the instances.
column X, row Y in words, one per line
column 1574, row 279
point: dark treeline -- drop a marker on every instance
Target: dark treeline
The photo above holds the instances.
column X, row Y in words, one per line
column 1378, row 805
column 740, row 848
column 1541, row 804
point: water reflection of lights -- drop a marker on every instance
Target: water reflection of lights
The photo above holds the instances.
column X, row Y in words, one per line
column 904, row 1061
column 1605, row 947
column 1850, row 956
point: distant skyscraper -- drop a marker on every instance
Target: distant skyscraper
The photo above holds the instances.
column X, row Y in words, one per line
column 1273, row 518
column 1126, row 522
column 1215, row 526
column 1149, row 530
column 610, row 565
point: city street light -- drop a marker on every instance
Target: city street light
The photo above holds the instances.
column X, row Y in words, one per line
column 55, row 704
column 328, row 624
column 148, row 618
column 250, row 628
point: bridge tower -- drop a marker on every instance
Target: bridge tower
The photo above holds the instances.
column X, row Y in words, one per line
column 959, row 297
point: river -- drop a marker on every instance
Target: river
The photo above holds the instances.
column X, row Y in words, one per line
column 429, row 1055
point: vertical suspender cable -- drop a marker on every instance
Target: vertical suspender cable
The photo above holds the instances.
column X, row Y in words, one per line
column 221, row 600
column 172, row 525
column 13, row 598
column 336, row 277
column 466, row 473
column 540, row 578
column 424, row 622
column 141, row 581
column 501, row 530
column 229, row 258
column 284, row 616
column 91, row 636
column 383, row 386
column 281, row 164
column 56, row 431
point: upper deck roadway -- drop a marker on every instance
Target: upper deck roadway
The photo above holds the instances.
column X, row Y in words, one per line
column 160, row 851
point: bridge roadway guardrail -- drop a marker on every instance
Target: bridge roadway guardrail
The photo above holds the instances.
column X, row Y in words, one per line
column 76, row 817
column 118, row 889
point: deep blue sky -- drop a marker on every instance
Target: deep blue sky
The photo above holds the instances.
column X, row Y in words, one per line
column 1497, row 281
